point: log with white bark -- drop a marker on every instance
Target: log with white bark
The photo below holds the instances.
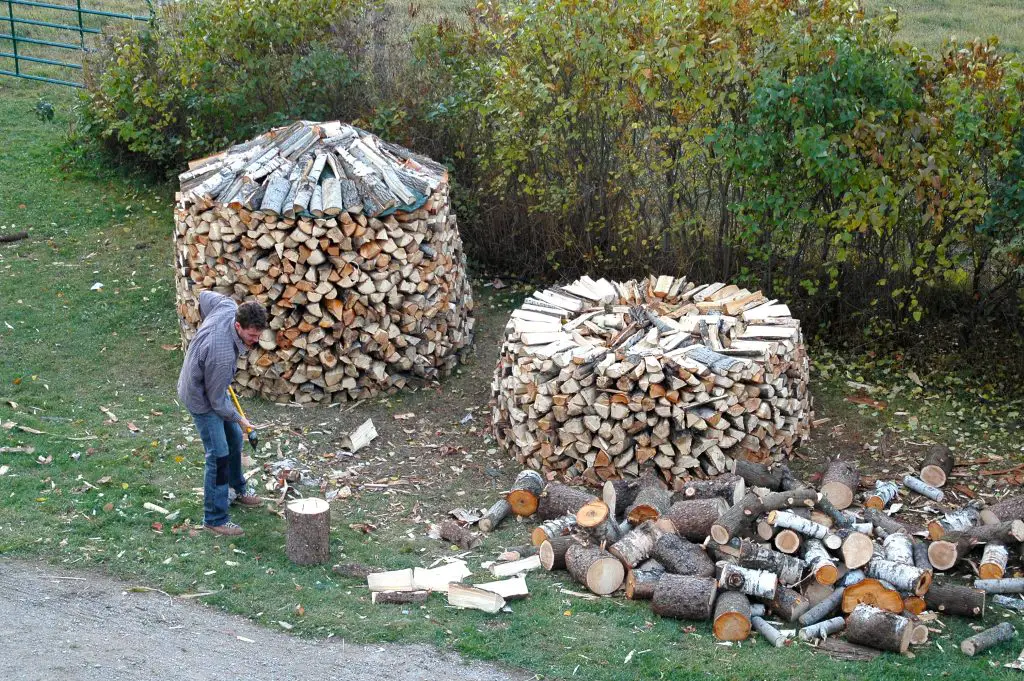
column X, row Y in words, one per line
column 877, row 628
column 356, row 307
column 756, row 556
column 805, row 527
column 636, row 545
column 898, row 548
column 819, row 562
column 923, row 488
column 524, row 497
column 904, row 576
column 1013, row 585
column 556, row 527
column 984, row 640
column 993, row 562
column 883, row 494
column 772, row 635
column 937, row 465
column 823, row 629
column 823, row 608
column 756, row 583
column 957, row 521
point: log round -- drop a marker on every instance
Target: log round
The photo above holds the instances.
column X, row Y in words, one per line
column 732, row 617
column 348, row 241
column 308, row 539
column 877, row 628
column 598, row 570
column 603, row 379
column 684, row 598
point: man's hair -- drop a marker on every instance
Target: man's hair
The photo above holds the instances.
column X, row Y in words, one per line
column 251, row 315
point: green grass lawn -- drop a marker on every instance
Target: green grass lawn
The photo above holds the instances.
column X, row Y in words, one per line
column 77, row 499
column 927, row 23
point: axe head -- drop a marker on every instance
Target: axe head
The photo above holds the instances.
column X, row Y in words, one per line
column 254, row 440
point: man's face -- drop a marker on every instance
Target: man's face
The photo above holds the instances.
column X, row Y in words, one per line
column 249, row 336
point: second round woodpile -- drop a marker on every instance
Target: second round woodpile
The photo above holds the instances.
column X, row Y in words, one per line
column 349, row 242
column 604, row 379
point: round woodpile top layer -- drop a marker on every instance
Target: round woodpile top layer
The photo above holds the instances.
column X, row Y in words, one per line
column 347, row 240
column 602, row 378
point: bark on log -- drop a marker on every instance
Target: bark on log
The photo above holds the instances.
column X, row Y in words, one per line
column 463, row 537
column 993, row 562
column 823, row 629
column 823, row 608
column 1011, row 508
column 693, row 518
column 899, row 548
column 730, row 487
column 756, row 583
column 636, row 545
column 903, row 576
column 549, row 529
column 595, row 519
column 984, row 640
column 683, row 597
column 759, row 475
column 1013, row 585
column 923, row 488
column 682, row 557
column 790, row 499
column 399, row 597
column 819, row 562
column 956, row 522
column 619, row 494
column 641, row 581
column 962, row 601
column 882, row 496
column 884, row 525
column 877, row 628
column 598, row 570
column 309, row 531
column 495, row 514
column 732, row 617
column 524, row 496
column 559, row 500
column 839, row 483
column 552, row 552
column 9, row 238
column 921, row 559
column 789, row 604
column 937, row 465
column 650, row 504
column 755, row 556
column 772, row 635
column 738, row 520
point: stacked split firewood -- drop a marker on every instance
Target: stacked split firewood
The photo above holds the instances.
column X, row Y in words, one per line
column 604, row 379
column 757, row 545
column 350, row 243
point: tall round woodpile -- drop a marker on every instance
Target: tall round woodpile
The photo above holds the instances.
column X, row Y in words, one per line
column 604, row 379
column 350, row 243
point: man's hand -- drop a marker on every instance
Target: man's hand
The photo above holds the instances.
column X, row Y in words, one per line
column 246, row 426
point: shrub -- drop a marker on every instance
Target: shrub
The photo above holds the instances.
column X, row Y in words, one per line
column 209, row 72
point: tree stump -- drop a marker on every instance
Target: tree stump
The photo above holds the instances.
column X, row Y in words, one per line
column 685, row 598
column 877, row 628
column 309, row 531
column 732, row 617
column 937, row 465
column 839, row 483
column 525, row 494
column 598, row 570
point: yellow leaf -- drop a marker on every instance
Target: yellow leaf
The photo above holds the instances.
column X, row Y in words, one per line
column 567, row 613
column 124, row 485
column 40, row 499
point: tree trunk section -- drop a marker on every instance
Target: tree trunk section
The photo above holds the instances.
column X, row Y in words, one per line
column 682, row 557
column 787, row 541
column 552, row 552
column 495, row 514
column 549, row 529
column 1000, row 586
column 839, row 483
column 738, row 520
column 693, row 518
column 937, row 465
column 823, row 608
column 732, row 617
column 309, row 531
column 789, row 604
column 636, row 545
column 685, row 598
column 759, row 475
column 877, row 628
column 730, row 487
column 559, row 500
column 871, row 592
column 993, row 562
column 1011, row 508
column 619, row 494
column 399, row 597
column 641, row 581
column 757, row 583
column 525, row 494
column 453, row 532
column 823, row 629
column 650, row 504
column 598, row 570
column 962, row 601
column 984, row 640
column 820, row 562
column 857, row 550
column 755, row 556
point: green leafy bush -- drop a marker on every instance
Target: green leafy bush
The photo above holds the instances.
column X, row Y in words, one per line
column 209, row 72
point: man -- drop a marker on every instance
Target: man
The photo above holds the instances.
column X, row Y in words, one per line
column 226, row 332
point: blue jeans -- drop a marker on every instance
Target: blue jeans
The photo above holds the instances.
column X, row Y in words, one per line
column 223, row 443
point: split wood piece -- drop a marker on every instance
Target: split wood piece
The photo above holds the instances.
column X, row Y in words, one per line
column 392, row 580
column 559, row 500
column 693, row 518
column 839, row 483
column 923, row 488
column 682, row 557
column 823, row 608
column 9, row 238
column 937, row 465
column 619, row 494
column 641, row 581
column 772, row 635
column 838, row 649
column 790, row 499
column 463, row 537
column 884, row 525
column 871, row 592
column 820, row 562
column 993, row 562
column 756, row 556
column 823, row 629
column 756, row 583
column 595, row 518
column 510, row 589
column 945, row 553
column 360, row 437
column 683, row 597
column 984, row 640
column 921, row 559
column 552, row 552
column 857, row 549
column 737, row 520
column 885, row 491
column 732, row 617
column 805, row 527
column 525, row 494
column 730, row 487
column 438, row 578
column 466, row 596
column 954, row 599
column 759, row 475
column 904, row 576
column 514, row 567
column 399, row 597
column 495, row 514
column 650, row 504
column 595, row 568
column 636, row 545
column 789, row 604
column 957, row 521
column 1014, row 585
column 1017, row 664
column 787, row 541
column 309, row 531
column 1011, row 508
column 899, row 548
column 877, row 628
column 556, row 527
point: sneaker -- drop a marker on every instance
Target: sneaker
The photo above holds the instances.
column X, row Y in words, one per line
column 228, row 529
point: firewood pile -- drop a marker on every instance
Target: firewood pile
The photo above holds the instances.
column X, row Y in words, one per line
column 604, row 379
column 758, row 549
column 351, row 244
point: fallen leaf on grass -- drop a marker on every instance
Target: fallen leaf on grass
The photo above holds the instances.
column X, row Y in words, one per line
column 44, row 460
column 864, row 399
column 134, row 428
column 4, row 469
column 110, row 414
column 366, row 528
column 169, row 348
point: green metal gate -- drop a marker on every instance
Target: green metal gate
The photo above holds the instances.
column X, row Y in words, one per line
column 33, row 34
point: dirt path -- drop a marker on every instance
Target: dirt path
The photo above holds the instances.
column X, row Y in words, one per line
column 56, row 624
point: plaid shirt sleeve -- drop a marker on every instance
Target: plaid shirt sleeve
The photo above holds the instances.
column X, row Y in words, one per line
column 218, row 372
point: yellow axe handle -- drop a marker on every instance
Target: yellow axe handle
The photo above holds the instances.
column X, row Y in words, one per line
column 238, row 406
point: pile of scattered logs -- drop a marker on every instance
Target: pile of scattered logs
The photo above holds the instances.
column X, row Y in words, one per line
column 350, row 243
column 601, row 378
column 757, row 543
